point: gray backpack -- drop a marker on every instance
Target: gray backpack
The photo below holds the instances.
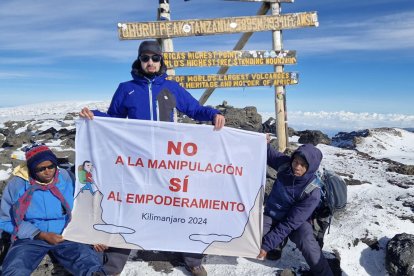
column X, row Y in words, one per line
column 333, row 190
column 333, row 195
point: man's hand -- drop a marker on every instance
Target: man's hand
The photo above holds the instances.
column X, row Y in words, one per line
column 50, row 238
column 86, row 113
column 262, row 255
column 219, row 121
column 100, row 247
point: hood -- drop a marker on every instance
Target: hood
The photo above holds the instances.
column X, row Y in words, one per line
column 136, row 68
column 143, row 79
column 21, row 171
column 311, row 154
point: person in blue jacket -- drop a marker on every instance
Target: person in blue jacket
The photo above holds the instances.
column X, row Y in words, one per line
column 288, row 209
column 35, row 208
column 150, row 96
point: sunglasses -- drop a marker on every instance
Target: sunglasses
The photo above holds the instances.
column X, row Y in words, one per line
column 42, row 169
column 146, row 58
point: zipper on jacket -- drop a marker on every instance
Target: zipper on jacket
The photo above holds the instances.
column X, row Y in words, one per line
column 150, row 99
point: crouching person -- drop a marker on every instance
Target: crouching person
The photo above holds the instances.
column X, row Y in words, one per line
column 288, row 208
column 35, row 208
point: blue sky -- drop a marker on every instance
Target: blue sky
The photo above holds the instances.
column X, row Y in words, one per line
column 359, row 59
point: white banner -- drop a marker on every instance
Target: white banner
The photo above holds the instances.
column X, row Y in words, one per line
column 168, row 186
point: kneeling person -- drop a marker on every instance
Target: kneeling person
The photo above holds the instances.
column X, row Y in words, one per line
column 288, row 208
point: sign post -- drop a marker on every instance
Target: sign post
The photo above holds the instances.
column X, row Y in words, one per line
column 164, row 15
column 166, row 43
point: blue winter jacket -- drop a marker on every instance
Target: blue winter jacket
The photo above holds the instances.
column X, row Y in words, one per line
column 155, row 99
column 286, row 202
column 45, row 212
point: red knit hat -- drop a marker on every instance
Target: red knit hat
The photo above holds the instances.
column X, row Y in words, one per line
column 36, row 154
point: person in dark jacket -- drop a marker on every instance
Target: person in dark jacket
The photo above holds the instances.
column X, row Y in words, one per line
column 35, row 208
column 288, row 209
column 150, row 96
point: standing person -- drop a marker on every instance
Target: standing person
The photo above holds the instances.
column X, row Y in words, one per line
column 35, row 208
column 150, row 96
column 288, row 209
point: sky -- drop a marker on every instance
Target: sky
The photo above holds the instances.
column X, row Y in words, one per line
column 360, row 58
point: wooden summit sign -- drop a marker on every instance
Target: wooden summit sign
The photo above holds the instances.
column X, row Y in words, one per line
column 227, row 25
column 228, row 58
column 236, row 80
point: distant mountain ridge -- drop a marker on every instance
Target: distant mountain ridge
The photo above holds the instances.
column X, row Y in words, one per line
column 329, row 123
column 410, row 129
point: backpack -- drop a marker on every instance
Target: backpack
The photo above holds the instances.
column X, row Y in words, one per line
column 5, row 242
column 333, row 198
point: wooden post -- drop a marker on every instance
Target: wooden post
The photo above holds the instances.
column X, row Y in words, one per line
column 279, row 90
column 240, row 44
column 167, row 43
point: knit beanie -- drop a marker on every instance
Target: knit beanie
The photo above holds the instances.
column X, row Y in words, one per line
column 149, row 46
column 36, row 154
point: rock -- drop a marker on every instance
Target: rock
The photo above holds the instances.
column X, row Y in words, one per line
column 314, row 137
column 2, row 139
column 400, row 255
column 349, row 140
column 244, row 118
column 270, row 127
column 407, row 200
column 401, row 168
column 50, row 130
column 71, row 116
column 16, row 141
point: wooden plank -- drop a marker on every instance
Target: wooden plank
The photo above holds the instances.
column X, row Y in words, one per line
column 228, row 25
column 268, row 1
column 236, row 80
column 228, row 58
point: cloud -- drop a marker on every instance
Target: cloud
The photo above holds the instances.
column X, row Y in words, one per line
column 66, row 29
column 333, row 122
column 11, row 75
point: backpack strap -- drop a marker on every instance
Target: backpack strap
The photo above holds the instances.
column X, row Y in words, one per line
column 310, row 187
column 72, row 175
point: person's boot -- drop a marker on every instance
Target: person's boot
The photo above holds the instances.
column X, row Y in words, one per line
column 274, row 254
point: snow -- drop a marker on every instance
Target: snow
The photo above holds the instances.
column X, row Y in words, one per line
column 372, row 213
column 388, row 145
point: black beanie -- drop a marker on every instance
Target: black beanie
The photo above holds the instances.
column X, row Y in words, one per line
column 149, row 46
